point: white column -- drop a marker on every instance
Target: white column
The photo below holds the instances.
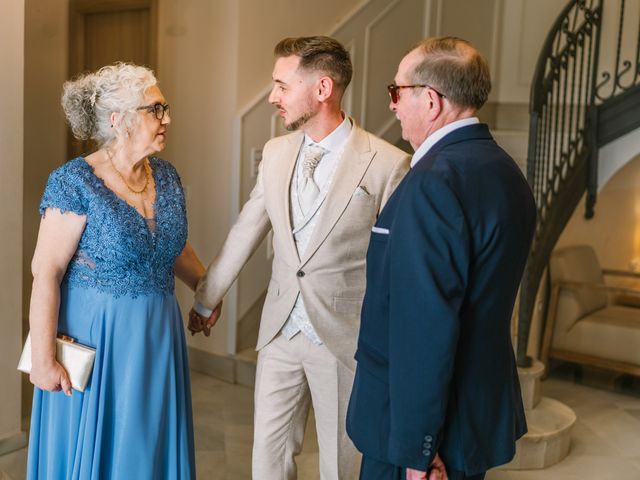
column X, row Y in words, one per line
column 11, row 180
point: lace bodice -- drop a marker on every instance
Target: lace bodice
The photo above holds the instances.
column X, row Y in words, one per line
column 120, row 252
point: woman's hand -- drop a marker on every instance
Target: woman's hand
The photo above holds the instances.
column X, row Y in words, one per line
column 49, row 375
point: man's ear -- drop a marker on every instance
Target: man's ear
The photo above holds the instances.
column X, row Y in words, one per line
column 434, row 104
column 324, row 88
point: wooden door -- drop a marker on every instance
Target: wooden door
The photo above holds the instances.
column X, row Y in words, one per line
column 102, row 32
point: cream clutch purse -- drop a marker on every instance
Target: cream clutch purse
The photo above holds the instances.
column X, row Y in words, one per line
column 77, row 360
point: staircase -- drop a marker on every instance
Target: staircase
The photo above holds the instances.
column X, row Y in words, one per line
column 579, row 104
column 585, row 95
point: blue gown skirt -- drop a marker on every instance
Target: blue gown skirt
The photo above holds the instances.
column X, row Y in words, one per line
column 134, row 420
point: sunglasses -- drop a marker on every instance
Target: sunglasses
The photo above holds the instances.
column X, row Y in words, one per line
column 394, row 90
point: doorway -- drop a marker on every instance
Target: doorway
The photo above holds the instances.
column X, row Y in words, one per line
column 107, row 31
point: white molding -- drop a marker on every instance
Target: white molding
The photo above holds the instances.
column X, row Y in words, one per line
column 520, row 82
column 388, row 125
column 352, row 14
column 429, row 6
column 494, row 65
column 366, row 60
column 257, row 100
column 347, row 99
column 365, row 81
column 440, row 8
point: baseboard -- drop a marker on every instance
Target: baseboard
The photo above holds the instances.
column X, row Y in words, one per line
column 229, row 368
column 215, row 365
column 13, row 442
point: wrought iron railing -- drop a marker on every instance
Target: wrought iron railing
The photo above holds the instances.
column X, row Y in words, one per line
column 569, row 87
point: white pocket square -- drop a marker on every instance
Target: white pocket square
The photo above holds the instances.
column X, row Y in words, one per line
column 361, row 191
column 383, row 231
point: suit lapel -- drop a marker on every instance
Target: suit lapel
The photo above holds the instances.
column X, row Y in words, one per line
column 353, row 164
column 282, row 182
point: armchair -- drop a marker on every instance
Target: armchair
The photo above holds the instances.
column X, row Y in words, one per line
column 584, row 324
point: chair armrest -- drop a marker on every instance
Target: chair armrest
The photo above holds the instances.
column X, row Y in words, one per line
column 621, row 273
column 598, row 286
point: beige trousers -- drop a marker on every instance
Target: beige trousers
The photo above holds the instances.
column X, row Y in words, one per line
column 290, row 374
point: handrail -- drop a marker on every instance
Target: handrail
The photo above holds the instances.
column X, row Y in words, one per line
column 560, row 139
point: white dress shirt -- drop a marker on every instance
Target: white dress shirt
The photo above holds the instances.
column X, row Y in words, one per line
column 432, row 139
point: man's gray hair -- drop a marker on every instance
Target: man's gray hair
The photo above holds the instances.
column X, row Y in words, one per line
column 456, row 69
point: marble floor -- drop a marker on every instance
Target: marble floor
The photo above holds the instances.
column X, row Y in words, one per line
column 605, row 439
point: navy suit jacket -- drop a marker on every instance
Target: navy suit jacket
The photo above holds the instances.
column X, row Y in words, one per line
column 436, row 370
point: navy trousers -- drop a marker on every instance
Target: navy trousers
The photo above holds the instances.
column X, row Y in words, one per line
column 372, row 469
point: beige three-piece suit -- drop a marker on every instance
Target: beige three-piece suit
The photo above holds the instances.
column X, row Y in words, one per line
column 330, row 277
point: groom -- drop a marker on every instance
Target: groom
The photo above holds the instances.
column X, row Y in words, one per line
column 320, row 189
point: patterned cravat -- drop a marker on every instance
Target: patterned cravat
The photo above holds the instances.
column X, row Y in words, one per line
column 311, row 157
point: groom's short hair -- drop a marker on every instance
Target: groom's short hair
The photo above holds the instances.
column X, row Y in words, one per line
column 319, row 54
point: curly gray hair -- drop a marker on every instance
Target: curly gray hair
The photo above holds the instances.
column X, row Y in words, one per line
column 89, row 100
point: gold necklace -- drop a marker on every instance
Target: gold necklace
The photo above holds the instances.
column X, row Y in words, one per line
column 147, row 171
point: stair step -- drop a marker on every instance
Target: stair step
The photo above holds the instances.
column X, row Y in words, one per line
column 548, row 439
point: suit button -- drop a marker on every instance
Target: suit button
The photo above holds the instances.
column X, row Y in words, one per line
column 427, row 445
column 428, row 438
column 300, row 273
column 426, row 452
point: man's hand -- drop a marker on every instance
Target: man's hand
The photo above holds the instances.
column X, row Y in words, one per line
column 416, row 474
column 198, row 323
column 195, row 322
column 211, row 321
column 437, row 471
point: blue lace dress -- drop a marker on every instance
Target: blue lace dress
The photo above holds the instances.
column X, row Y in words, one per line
column 134, row 419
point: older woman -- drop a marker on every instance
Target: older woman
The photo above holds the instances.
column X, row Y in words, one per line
column 112, row 234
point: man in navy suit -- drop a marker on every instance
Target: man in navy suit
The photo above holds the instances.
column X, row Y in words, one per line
column 436, row 379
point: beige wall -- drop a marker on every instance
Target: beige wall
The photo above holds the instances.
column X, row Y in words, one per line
column 262, row 24
column 11, row 168
column 45, row 68
column 614, row 231
column 197, row 71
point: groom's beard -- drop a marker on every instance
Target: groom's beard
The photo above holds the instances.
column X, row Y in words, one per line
column 307, row 114
column 299, row 122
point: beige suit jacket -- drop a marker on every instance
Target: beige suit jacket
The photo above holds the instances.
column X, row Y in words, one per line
column 331, row 273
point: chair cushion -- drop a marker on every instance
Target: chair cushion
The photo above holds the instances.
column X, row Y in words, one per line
column 612, row 333
column 579, row 264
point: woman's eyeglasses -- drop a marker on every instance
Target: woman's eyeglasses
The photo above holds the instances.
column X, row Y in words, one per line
column 158, row 109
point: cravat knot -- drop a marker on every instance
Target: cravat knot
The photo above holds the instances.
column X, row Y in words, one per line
column 312, row 154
